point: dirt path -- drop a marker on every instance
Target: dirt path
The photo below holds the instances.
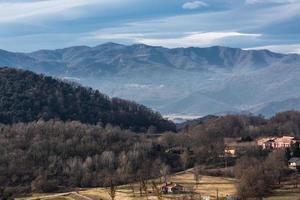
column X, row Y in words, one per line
column 81, row 197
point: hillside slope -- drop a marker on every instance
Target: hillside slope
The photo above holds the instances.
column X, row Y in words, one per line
column 25, row 97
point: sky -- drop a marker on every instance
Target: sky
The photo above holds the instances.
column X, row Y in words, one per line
column 29, row 25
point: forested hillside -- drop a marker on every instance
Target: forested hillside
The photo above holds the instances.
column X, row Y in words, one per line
column 26, row 97
column 54, row 155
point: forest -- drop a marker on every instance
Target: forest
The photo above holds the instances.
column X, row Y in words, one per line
column 47, row 156
column 26, row 96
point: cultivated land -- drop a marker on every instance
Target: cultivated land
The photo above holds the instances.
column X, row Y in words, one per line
column 208, row 186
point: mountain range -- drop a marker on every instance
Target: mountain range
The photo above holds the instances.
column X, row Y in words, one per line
column 183, row 81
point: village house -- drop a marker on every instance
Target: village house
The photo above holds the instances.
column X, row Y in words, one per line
column 234, row 146
column 171, row 188
column 294, row 163
column 276, row 142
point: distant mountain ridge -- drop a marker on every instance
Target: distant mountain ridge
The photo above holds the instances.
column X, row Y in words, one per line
column 111, row 56
column 268, row 109
column 194, row 81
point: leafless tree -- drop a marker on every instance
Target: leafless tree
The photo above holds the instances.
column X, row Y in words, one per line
column 112, row 190
column 185, row 159
column 156, row 190
column 164, row 171
column 197, row 176
column 275, row 165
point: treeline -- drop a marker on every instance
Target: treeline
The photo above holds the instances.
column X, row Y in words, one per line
column 206, row 138
column 258, row 177
column 26, row 97
column 54, row 155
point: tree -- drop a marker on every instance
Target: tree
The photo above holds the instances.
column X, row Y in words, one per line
column 112, row 188
column 185, row 159
column 295, row 149
column 253, row 184
column 164, row 171
column 244, row 163
column 197, row 176
column 156, row 190
column 276, row 165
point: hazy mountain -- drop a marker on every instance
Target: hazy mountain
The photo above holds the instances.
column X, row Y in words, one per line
column 270, row 109
column 189, row 81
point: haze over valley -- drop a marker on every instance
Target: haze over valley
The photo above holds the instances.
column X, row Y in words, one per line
column 180, row 81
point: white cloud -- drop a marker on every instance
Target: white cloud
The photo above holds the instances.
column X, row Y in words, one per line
column 194, row 5
column 285, row 48
column 144, row 86
column 269, row 1
column 195, row 39
column 116, row 36
column 167, row 39
column 16, row 11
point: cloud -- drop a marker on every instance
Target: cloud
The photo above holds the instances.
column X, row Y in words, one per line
column 195, row 39
column 144, row 86
column 284, row 48
column 194, row 5
column 169, row 39
column 20, row 11
column 269, row 1
column 27, row 25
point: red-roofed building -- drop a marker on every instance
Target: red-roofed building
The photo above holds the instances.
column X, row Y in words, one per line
column 171, row 188
column 277, row 142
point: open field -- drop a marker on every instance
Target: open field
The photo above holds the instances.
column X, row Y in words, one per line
column 286, row 192
column 208, row 186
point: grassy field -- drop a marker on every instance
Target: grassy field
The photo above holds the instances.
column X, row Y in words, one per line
column 286, row 192
column 208, row 186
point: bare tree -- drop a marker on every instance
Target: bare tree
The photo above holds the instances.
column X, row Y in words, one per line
column 110, row 182
column 275, row 165
column 254, row 183
column 112, row 190
column 185, row 159
column 144, row 187
column 164, row 171
column 156, row 190
column 197, row 176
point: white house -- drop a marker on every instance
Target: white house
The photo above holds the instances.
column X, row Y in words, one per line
column 294, row 163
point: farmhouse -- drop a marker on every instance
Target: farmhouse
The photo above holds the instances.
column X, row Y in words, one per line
column 234, row 146
column 171, row 188
column 276, row 142
column 294, row 163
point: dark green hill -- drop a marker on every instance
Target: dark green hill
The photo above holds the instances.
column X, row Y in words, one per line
column 26, row 96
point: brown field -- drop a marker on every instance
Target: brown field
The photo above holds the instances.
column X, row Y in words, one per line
column 286, row 192
column 208, row 186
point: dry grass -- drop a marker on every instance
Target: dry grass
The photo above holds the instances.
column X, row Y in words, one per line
column 208, row 186
column 286, row 192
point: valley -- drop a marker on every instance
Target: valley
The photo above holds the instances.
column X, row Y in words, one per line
column 180, row 81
